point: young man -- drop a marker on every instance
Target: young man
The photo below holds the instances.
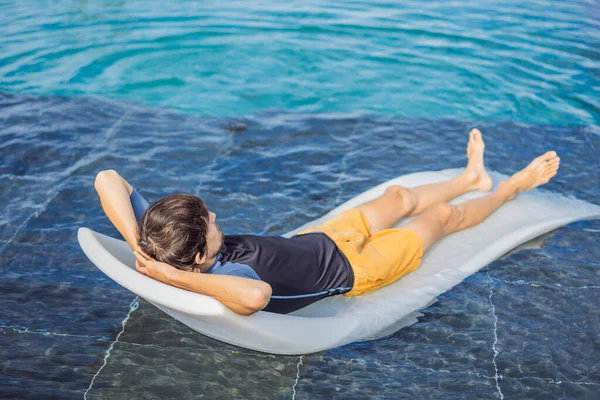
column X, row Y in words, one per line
column 176, row 240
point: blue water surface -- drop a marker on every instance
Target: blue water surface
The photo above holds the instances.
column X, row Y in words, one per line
column 533, row 62
column 275, row 113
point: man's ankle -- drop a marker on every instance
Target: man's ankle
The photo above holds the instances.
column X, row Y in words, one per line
column 507, row 189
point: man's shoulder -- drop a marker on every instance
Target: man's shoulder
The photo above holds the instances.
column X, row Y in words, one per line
column 254, row 237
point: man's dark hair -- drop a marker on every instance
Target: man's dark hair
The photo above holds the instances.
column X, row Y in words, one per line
column 173, row 229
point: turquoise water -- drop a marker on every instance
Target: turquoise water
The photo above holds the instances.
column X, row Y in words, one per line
column 530, row 62
column 275, row 114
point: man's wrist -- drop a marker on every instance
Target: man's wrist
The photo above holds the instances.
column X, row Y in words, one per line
column 173, row 276
column 131, row 238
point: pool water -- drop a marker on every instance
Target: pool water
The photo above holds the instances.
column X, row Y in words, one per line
column 275, row 114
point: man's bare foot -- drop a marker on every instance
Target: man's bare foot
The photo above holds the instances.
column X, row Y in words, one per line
column 475, row 170
column 537, row 173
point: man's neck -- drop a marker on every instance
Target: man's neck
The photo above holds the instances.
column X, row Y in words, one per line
column 208, row 263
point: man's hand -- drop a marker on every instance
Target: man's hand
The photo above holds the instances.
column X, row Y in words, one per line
column 154, row 269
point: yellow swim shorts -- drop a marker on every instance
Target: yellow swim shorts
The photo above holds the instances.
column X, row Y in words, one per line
column 377, row 260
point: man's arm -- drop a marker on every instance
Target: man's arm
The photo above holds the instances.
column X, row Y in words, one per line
column 114, row 192
column 243, row 296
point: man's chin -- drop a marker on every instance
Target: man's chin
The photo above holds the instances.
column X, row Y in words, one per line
column 222, row 246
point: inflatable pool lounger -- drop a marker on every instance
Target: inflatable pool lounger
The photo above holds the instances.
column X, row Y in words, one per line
column 339, row 320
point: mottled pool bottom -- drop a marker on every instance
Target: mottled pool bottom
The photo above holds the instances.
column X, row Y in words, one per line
column 525, row 326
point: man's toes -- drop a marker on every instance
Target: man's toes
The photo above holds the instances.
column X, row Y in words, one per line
column 551, row 166
column 550, row 175
column 544, row 158
column 475, row 135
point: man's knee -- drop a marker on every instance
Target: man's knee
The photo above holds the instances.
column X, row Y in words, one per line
column 447, row 215
column 406, row 197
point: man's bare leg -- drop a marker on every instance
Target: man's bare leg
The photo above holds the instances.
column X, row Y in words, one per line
column 443, row 219
column 398, row 202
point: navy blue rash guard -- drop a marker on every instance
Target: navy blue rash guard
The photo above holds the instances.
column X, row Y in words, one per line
column 301, row 270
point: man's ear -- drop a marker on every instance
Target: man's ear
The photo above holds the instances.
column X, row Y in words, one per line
column 200, row 259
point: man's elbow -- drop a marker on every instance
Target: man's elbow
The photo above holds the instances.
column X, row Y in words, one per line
column 106, row 178
column 258, row 299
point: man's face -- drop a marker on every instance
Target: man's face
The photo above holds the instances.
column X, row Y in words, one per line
column 214, row 237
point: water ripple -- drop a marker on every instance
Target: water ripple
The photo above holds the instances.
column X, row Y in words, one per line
column 534, row 62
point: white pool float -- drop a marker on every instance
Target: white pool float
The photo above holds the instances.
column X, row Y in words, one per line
column 338, row 320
